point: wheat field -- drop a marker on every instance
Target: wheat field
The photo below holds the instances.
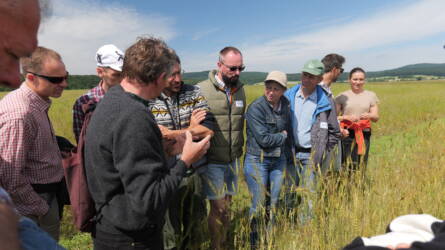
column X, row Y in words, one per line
column 405, row 175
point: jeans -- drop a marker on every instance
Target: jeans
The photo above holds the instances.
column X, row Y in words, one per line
column 263, row 177
column 32, row 237
column 302, row 175
column 219, row 180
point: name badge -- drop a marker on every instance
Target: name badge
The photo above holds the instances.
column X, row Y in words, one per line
column 239, row 104
column 324, row 125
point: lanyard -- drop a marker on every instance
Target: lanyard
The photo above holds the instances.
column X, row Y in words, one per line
column 176, row 122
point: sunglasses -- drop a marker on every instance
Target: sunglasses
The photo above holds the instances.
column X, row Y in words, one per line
column 341, row 70
column 234, row 68
column 52, row 79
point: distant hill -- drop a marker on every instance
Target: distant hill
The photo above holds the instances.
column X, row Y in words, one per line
column 432, row 69
column 419, row 71
column 408, row 72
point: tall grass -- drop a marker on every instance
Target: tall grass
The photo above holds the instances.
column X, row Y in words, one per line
column 405, row 175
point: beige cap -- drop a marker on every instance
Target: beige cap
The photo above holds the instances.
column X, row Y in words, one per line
column 277, row 76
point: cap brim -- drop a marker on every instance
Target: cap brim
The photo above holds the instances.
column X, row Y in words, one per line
column 312, row 72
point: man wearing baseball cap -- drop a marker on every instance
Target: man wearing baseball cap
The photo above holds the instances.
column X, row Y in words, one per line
column 109, row 66
column 315, row 126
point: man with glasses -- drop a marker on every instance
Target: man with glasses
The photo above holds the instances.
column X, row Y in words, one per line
column 332, row 70
column 225, row 95
column 333, row 64
column 31, row 166
column 109, row 66
column 315, row 130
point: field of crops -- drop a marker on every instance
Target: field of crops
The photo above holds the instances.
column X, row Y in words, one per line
column 405, row 174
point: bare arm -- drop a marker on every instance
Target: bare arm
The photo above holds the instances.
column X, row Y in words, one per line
column 372, row 115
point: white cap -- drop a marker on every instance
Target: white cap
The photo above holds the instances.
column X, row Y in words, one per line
column 110, row 56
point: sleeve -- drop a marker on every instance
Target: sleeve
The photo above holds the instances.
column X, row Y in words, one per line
column 13, row 152
column 341, row 99
column 374, row 99
column 78, row 118
column 138, row 156
column 334, row 134
column 201, row 103
column 256, row 123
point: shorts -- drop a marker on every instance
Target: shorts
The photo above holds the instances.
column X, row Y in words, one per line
column 219, row 180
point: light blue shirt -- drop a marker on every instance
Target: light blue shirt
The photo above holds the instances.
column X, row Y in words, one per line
column 302, row 122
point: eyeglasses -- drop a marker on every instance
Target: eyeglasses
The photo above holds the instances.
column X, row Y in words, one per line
column 52, row 79
column 234, row 68
column 341, row 70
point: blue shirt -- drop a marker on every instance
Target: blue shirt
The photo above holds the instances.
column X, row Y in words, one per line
column 302, row 122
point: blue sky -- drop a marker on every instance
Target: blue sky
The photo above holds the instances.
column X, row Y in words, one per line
column 273, row 35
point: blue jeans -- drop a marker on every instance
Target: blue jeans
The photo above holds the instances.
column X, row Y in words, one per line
column 32, row 237
column 303, row 175
column 263, row 177
column 219, row 180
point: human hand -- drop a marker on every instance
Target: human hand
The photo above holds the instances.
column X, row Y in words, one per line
column 284, row 132
column 352, row 118
column 365, row 116
column 174, row 144
column 399, row 246
column 198, row 115
column 193, row 151
column 344, row 132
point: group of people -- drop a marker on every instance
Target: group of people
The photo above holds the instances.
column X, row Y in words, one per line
column 155, row 147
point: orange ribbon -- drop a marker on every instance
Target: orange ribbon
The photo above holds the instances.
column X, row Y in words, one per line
column 358, row 130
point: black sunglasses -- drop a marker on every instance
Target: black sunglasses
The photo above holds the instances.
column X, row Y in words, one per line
column 234, row 68
column 52, row 79
column 341, row 70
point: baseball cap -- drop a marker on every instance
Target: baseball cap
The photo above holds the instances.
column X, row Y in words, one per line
column 110, row 56
column 313, row 67
column 277, row 76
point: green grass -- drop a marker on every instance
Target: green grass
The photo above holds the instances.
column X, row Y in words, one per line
column 405, row 174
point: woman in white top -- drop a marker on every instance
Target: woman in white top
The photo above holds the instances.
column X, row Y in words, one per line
column 356, row 108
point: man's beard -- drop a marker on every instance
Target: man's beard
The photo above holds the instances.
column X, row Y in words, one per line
column 230, row 81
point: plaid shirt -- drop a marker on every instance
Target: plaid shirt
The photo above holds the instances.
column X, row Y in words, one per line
column 95, row 94
column 29, row 153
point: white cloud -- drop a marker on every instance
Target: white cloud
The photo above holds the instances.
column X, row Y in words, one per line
column 400, row 25
column 78, row 28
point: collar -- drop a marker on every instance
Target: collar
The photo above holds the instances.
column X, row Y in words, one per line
column 36, row 101
column 219, row 82
column 134, row 96
column 325, row 87
column 312, row 97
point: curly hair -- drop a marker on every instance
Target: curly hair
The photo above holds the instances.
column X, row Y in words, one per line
column 147, row 59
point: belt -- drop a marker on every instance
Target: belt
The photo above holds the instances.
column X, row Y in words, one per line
column 302, row 150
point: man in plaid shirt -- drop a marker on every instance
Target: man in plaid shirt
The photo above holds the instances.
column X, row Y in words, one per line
column 30, row 157
column 109, row 66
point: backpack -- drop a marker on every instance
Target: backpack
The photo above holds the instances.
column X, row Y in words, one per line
column 82, row 205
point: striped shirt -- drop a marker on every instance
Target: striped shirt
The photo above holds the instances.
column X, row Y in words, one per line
column 28, row 149
column 175, row 112
column 95, row 94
